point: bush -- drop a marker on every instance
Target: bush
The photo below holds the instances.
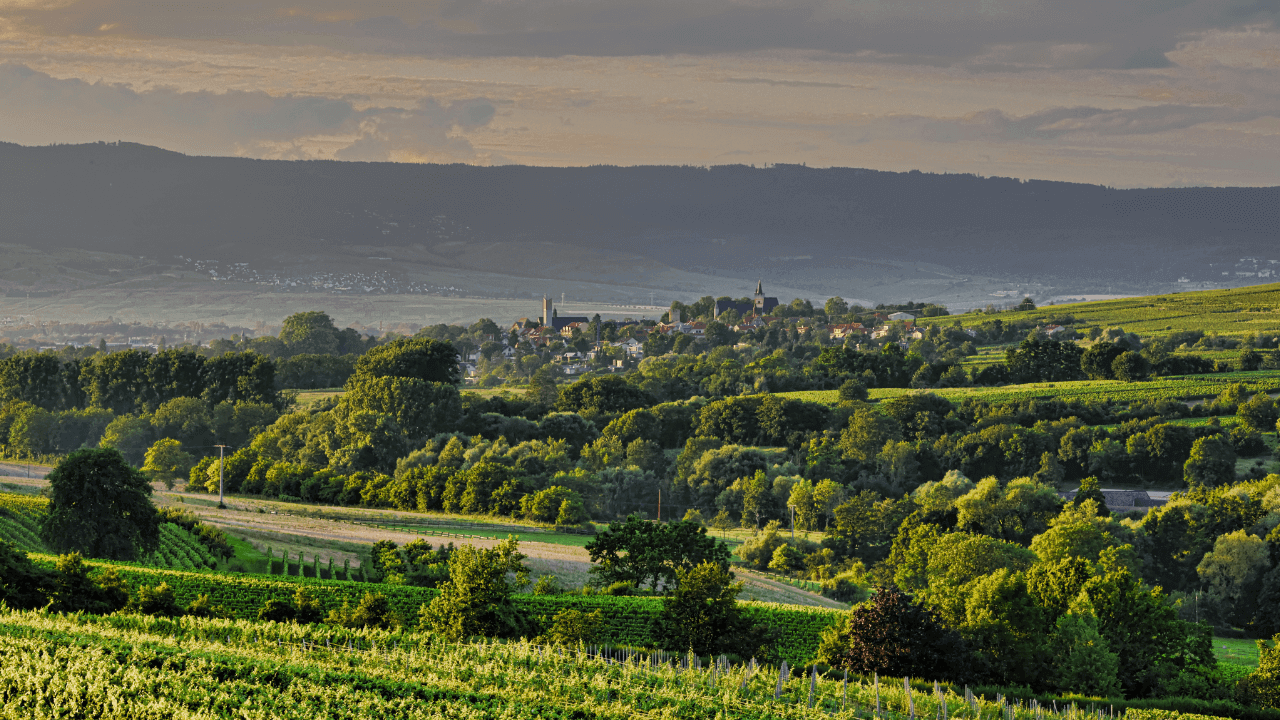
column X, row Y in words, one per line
column 570, row 627
column 276, row 611
column 154, row 600
column 758, row 551
column 202, row 607
column 373, row 611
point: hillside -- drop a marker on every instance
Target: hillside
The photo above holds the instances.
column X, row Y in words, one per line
column 1253, row 310
column 867, row 234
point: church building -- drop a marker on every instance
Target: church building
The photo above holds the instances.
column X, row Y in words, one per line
column 760, row 305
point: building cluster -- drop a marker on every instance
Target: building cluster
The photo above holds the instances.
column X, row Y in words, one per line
column 336, row 283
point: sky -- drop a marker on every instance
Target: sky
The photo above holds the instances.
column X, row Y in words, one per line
column 1125, row 93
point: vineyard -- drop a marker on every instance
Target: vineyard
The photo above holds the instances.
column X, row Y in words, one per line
column 20, row 517
column 626, row 619
column 87, row 666
column 20, row 521
column 1236, row 313
column 1182, row 388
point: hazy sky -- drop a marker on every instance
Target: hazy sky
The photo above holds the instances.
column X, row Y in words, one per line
column 1119, row 92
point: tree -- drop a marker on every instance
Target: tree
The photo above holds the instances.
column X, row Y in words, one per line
column 23, row 585
column 890, row 634
column 434, row 361
column 1260, row 413
column 1044, row 360
column 608, row 394
column 836, row 307
column 309, row 332
column 1082, row 660
column 1090, row 489
column 1212, row 462
column 1263, row 686
column 1096, row 361
column 419, row 407
column 130, row 434
column 1129, row 366
column 852, row 391
column 166, row 461
column 246, row 377
column 1237, row 559
column 638, row 552
column 477, row 598
column 100, row 507
column 866, row 434
column 36, row 378
column 702, row 614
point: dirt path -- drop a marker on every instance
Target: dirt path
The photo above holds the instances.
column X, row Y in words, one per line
column 762, row 587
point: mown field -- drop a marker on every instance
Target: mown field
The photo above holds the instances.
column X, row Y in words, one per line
column 1236, row 313
column 1183, row 388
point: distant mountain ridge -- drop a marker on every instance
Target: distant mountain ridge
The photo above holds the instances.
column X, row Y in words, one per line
column 734, row 220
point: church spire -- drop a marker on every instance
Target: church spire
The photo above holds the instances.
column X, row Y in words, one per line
column 760, row 287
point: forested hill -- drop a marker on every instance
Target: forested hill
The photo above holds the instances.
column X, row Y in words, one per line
column 147, row 201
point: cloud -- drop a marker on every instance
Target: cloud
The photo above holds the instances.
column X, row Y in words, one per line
column 37, row 108
column 1052, row 124
column 1116, row 33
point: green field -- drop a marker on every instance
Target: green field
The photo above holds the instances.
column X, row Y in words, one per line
column 1236, row 313
column 1235, row 650
column 86, row 666
column 1184, row 388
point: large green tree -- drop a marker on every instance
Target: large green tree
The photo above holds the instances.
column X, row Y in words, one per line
column 702, row 614
column 100, row 506
column 477, row 598
column 890, row 634
column 311, row 333
column 435, row 361
column 639, row 552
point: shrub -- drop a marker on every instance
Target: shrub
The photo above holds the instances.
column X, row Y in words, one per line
column 154, row 600
column 570, row 627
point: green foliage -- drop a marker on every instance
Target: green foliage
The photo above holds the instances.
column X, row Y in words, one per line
column 572, row 627
column 154, row 600
column 477, row 598
column 702, row 614
column 100, row 507
column 892, row 635
column 425, row 359
column 1263, row 686
column 639, row 552
column 166, row 460
column 1212, row 462
column 373, row 611
column 1082, row 660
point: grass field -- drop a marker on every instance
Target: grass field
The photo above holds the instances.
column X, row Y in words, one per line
column 306, row 397
column 1238, row 651
column 1187, row 387
column 1236, row 313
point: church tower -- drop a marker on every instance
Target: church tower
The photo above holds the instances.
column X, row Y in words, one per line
column 759, row 298
column 548, row 319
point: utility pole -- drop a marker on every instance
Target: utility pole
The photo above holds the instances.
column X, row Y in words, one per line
column 221, row 451
column 792, row 508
